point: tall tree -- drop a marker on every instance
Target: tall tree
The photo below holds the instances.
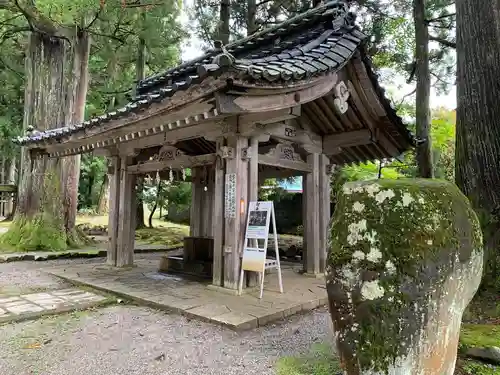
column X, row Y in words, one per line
column 423, row 90
column 478, row 117
column 56, row 85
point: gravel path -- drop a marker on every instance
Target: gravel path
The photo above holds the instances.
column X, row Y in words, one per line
column 134, row 340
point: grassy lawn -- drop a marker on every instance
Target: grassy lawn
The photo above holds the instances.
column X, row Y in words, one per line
column 319, row 361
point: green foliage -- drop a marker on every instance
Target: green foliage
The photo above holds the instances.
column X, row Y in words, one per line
column 319, row 361
column 480, row 335
column 92, row 173
column 477, row 368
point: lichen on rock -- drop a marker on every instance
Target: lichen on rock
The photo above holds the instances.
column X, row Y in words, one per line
column 409, row 260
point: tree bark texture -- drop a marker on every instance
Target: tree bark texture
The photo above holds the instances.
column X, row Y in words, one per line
column 251, row 14
column 423, row 116
column 56, row 87
column 102, row 204
column 478, row 117
column 140, row 74
column 224, row 17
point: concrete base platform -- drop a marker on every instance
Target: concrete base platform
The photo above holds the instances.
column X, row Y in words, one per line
column 144, row 285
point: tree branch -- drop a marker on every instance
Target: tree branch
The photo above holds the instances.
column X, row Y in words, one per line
column 442, row 41
column 407, row 95
column 122, row 41
column 440, row 17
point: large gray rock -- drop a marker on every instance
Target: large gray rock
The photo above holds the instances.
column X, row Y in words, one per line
column 488, row 354
column 405, row 259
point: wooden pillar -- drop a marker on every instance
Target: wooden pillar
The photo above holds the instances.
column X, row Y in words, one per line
column 324, row 210
column 207, row 192
column 237, row 169
column 126, row 221
column 312, row 215
column 114, row 208
column 304, row 222
column 253, row 194
column 218, row 219
column 195, row 218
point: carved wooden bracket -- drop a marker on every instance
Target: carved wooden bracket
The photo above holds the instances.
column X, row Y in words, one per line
column 246, row 153
column 284, row 151
column 168, row 152
column 341, row 97
column 226, row 152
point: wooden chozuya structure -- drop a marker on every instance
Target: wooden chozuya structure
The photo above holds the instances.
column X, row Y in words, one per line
column 292, row 100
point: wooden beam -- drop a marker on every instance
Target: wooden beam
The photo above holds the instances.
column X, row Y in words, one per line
column 284, row 156
column 270, row 117
column 289, row 131
column 234, row 104
column 163, row 132
column 282, row 163
column 179, row 163
column 218, row 221
column 331, row 143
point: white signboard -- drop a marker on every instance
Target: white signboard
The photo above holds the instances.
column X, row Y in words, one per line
column 259, row 215
column 256, row 239
column 230, row 196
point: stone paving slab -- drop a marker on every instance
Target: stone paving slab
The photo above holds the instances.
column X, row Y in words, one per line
column 27, row 306
column 197, row 300
column 81, row 253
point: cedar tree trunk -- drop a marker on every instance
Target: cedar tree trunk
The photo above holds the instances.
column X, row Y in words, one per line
column 478, row 118
column 423, row 116
column 56, row 86
column 224, row 16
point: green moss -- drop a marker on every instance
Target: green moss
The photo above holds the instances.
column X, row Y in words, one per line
column 43, row 231
column 415, row 224
column 168, row 236
column 319, row 361
column 480, row 335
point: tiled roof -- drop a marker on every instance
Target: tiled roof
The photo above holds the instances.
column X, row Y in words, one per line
column 320, row 40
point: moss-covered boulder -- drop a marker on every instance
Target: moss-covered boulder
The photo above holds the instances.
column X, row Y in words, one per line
column 405, row 259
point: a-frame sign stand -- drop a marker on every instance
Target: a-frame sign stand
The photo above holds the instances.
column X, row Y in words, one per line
column 256, row 241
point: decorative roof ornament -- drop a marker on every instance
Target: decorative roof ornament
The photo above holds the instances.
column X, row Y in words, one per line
column 224, row 58
column 341, row 97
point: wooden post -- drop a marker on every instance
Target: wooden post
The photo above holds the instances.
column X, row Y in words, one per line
column 218, row 220
column 207, row 205
column 253, row 194
column 114, row 208
column 126, row 226
column 235, row 225
column 304, row 222
column 312, row 215
column 324, row 210
column 196, row 203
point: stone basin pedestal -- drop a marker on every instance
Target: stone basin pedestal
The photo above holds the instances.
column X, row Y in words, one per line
column 405, row 260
